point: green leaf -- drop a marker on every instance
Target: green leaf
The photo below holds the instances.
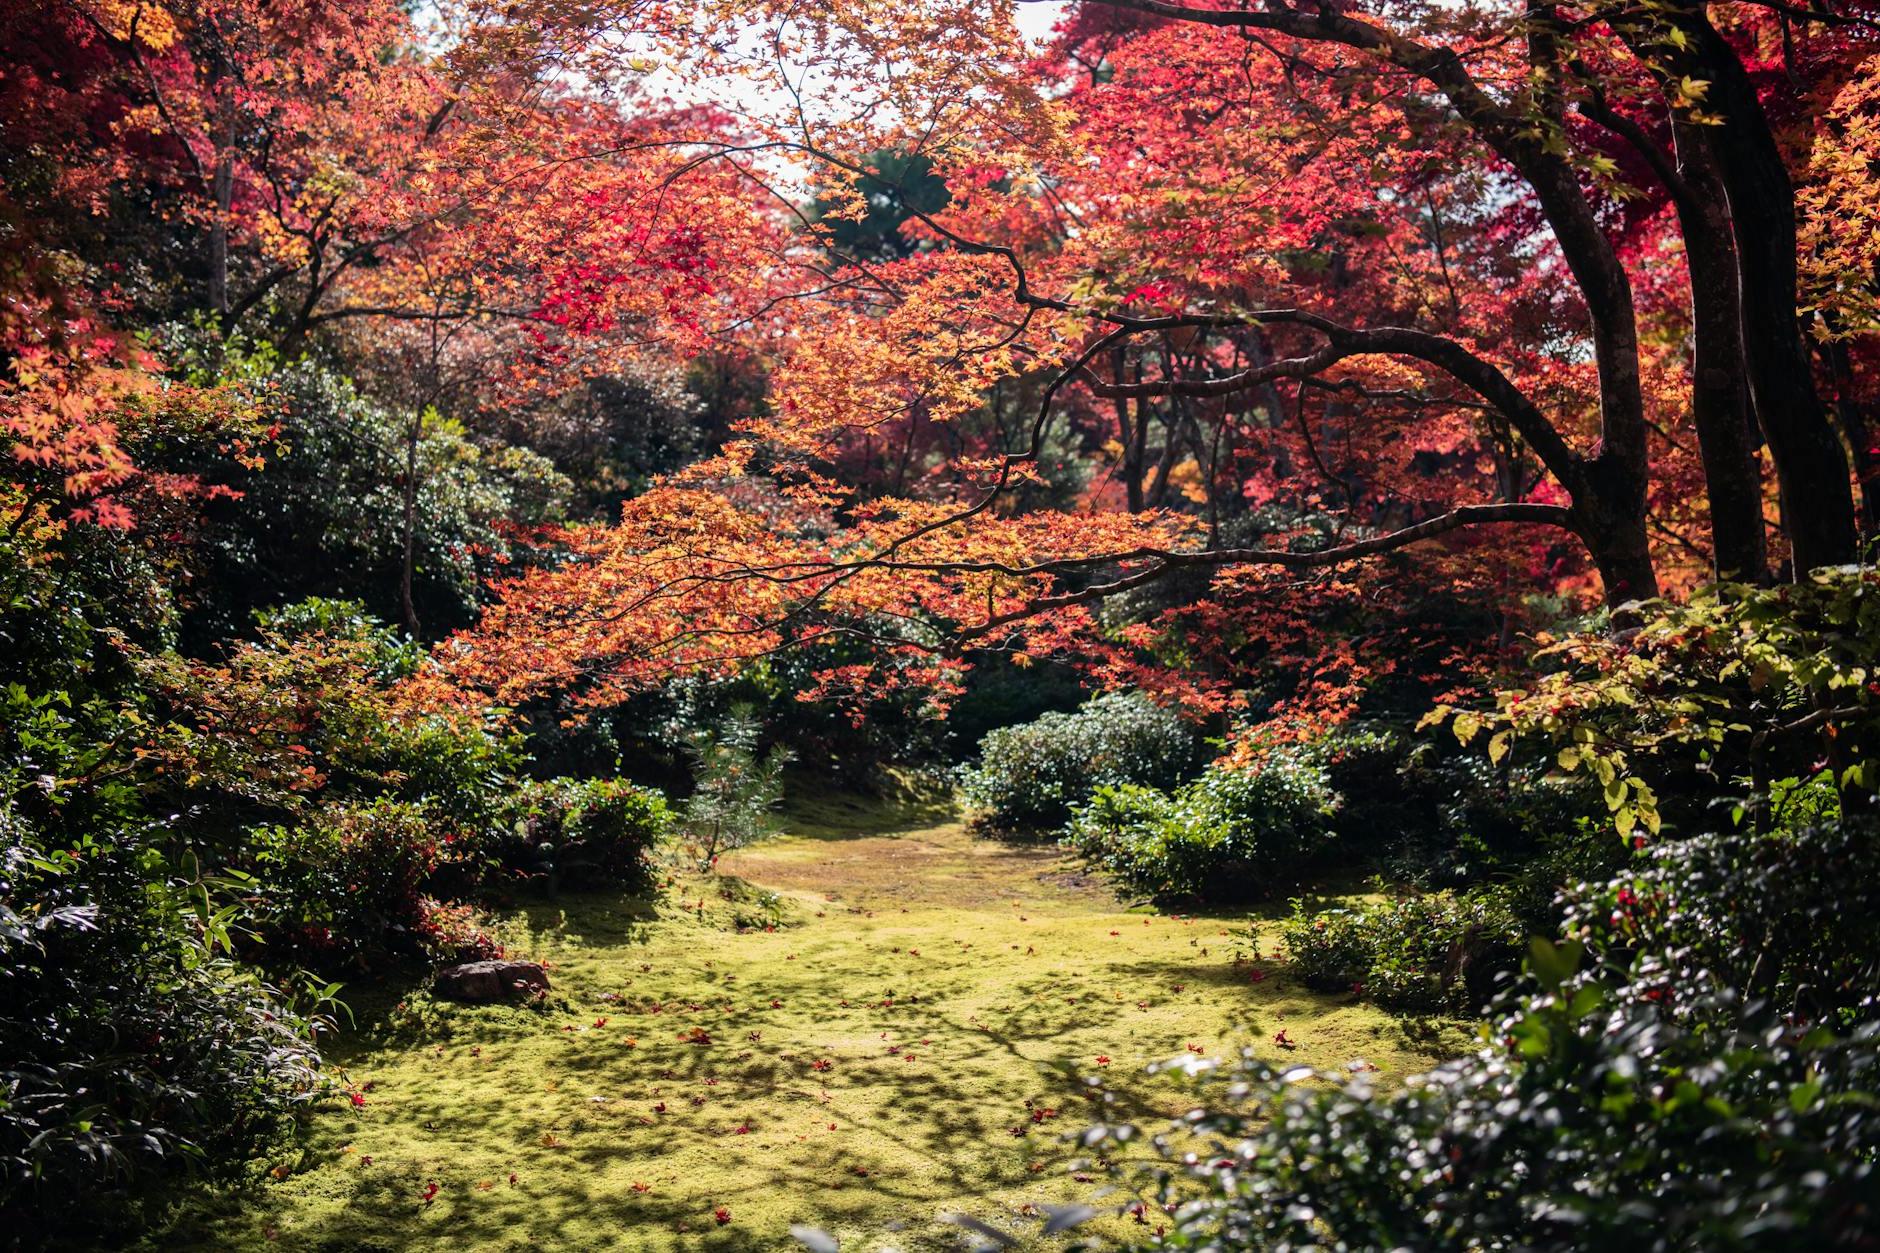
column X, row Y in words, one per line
column 1553, row 964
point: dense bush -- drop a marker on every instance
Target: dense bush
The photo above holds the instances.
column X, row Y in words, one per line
column 346, row 883
column 577, row 829
column 1709, row 710
column 1445, row 950
column 325, row 515
column 1001, row 693
column 1382, row 797
column 1789, row 919
column 1232, row 834
column 1437, row 818
column 1664, row 1097
column 1031, row 777
column 196, row 805
column 1439, row 953
column 131, row 1047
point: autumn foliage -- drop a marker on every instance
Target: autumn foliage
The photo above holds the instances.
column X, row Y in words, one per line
column 1126, row 376
column 1228, row 320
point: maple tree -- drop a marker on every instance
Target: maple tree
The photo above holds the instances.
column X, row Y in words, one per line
column 1286, row 364
column 1216, row 292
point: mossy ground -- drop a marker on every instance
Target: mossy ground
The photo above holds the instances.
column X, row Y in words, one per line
column 880, row 1058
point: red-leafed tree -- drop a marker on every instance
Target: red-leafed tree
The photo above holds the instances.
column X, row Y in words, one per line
column 314, row 173
column 1219, row 288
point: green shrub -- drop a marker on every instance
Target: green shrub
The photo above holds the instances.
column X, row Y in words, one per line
column 1232, row 834
column 1724, row 701
column 1330, row 950
column 1380, row 797
column 1454, row 820
column 1444, row 819
column 132, row 1049
column 1662, row 1095
column 579, row 829
column 1536, row 887
column 125, row 1064
column 1444, row 951
column 1001, row 693
column 346, row 884
column 1439, row 953
column 1788, row 918
column 325, row 515
column 1031, row 777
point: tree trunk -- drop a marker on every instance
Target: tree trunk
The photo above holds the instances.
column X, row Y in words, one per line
column 1611, row 522
column 1609, row 501
column 1851, row 412
column 223, row 189
column 407, row 602
column 1811, row 467
column 1719, row 375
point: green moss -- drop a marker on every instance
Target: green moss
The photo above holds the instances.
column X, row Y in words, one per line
column 950, row 985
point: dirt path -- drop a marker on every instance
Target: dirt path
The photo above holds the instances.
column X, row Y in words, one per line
column 895, row 1049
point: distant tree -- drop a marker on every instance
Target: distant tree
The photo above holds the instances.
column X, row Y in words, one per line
column 897, row 187
column 735, row 789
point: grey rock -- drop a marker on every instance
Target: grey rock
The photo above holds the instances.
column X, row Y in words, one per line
column 482, row 982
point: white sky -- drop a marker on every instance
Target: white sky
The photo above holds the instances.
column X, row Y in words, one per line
column 1035, row 20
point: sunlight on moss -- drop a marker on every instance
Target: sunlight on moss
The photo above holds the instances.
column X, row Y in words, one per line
column 857, row 1031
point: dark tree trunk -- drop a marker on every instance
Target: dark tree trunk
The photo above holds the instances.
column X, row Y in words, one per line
column 1612, row 525
column 408, row 567
column 1609, row 499
column 1719, row 375
column 1851, row 412
column 1811, row 467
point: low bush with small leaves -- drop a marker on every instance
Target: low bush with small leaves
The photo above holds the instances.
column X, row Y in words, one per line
column 1437, row 953
column 583, row 829
column 1235, row 833
column 1703, row 1072
column 1030, row 778
column 454, row 932
column 346, row 885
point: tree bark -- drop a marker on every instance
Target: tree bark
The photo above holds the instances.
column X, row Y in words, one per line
column 1811, row 467
column 1851, row 412
column 408, row 567
column 1720, row 398
column 222, row 188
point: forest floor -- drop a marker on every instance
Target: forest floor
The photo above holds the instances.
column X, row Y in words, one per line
column 864, row 1025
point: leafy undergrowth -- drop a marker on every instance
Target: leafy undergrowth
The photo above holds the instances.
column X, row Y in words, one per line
column 899, row 1046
